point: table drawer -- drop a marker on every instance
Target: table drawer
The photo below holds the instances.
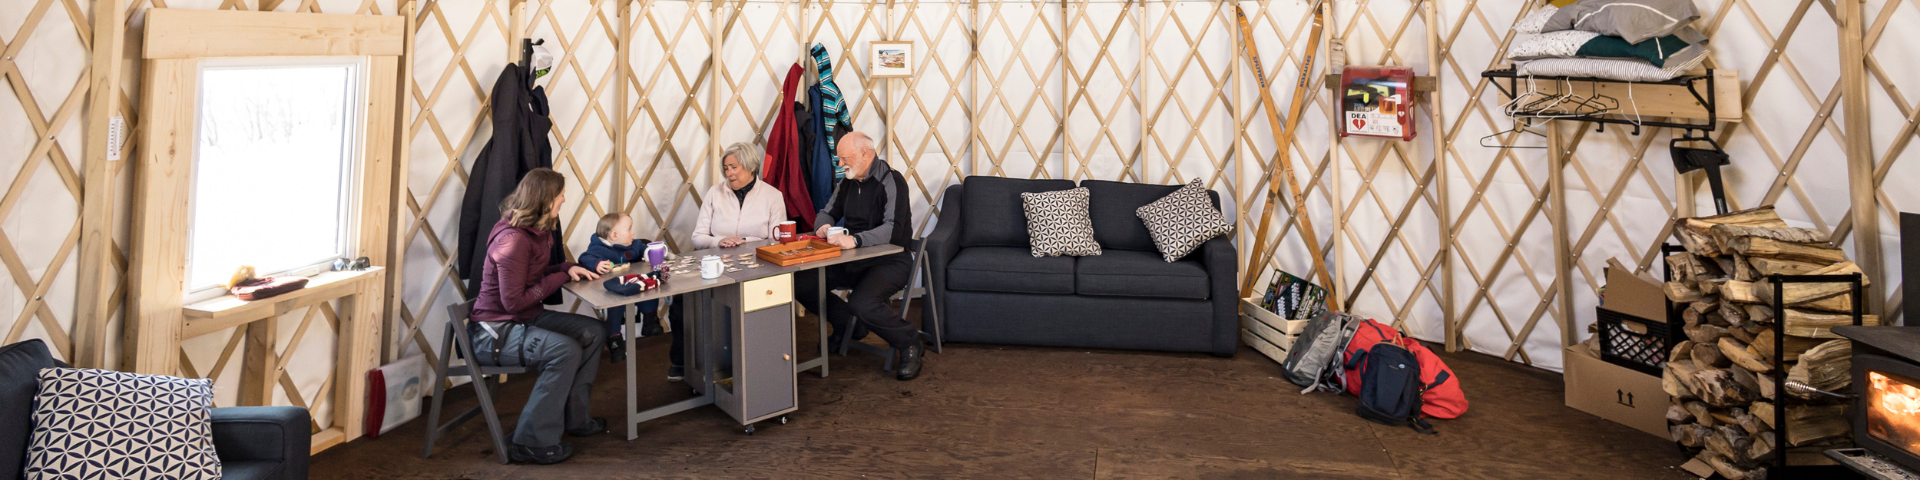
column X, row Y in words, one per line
column 767, row 292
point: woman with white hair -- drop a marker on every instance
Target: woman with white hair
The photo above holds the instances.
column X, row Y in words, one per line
column 743, row 209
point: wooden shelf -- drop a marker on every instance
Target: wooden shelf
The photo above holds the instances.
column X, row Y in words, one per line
column 1712, row 96
column 227, row 311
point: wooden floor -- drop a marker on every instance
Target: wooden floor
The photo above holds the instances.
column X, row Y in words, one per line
column 982, row 411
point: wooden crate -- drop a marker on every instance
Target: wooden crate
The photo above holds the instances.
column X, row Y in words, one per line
column 777, row 254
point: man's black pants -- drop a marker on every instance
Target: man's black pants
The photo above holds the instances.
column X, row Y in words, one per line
column 874, row 281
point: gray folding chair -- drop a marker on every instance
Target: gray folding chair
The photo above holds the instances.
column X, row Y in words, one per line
column 918, row 254
column 485, row 382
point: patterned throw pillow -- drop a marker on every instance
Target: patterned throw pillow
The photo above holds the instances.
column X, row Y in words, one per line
column 1059, row 224
column 1183, row 220
column 106, row 424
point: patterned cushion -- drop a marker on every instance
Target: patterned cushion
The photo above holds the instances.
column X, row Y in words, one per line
column 1059, row 224
column 106, row 424
column 1183, row 220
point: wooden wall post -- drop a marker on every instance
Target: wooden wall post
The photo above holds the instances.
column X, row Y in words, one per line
column 397, row 198
column 1859, row 147
column 1562, row 247
column 1444, row 211
column 623, row 68
column 93, row 302
column 162, row 177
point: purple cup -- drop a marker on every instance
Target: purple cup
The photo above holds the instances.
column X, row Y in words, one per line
column 656, row 254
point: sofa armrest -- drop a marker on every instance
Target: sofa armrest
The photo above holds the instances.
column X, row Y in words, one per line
column 942, row 245
column 1223, row 268
column 264, row 434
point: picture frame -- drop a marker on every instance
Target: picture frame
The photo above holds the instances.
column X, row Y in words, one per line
column 891, row 60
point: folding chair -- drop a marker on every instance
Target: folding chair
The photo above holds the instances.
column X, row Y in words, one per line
column 917, row 254
column 485, row 382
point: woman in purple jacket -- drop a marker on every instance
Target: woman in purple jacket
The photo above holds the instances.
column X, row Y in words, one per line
column 511, row 327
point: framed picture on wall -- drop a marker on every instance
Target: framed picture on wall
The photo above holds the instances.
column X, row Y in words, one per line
column 892, row 60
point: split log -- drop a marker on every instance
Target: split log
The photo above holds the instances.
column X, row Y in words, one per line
column 1677, row 379
column 1827, row 367
column 1721, row 390
column 1802, row 323
column 1705, row 334
column 1692, row 268
column 1759, row 313
column 1725, row 235
column 1731, row 442
column 1762, row 449
column 1736, row 352
column 1770, row 266
column 1746, row 378
column 1702, row 414
column 1764, row 412
column 1750, row 423
column 1809, row 424
column 1682, row 351
column 1762, row 345
column 1740, row 292
column 1755, row 217
column 1725, row 262
column 1742, row 333
column 1743, row 270
column 1734, row 314
column 1678, row 415
column 1678, row 291
column 1803, row 293
column 1727, row 468
column 1708, row 355
column 1770, row 248
column 1723, row 417
column 1691, row 435
column 1766, row 385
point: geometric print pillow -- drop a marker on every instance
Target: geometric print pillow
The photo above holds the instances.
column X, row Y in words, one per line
column 106, row 424
column 1183, row 220
column 1059, row 223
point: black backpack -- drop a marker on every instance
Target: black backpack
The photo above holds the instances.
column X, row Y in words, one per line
column 1390, row 386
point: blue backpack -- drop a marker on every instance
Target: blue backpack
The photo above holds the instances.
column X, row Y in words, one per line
column 1390, row 389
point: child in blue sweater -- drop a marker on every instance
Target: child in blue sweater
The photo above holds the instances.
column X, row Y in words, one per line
column 612, row 246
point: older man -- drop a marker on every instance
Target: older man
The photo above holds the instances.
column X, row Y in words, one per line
column 871, row 203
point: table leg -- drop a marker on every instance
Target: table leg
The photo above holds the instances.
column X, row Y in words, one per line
column 821, row 317
column 633, row 392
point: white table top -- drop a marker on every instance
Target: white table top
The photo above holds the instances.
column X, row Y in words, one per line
column 595, row 293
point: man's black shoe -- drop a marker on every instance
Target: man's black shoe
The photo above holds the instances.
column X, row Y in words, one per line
column 598, row 426
column 676, row 373
column 911, row 358
column 541, row 455
column 617, row 348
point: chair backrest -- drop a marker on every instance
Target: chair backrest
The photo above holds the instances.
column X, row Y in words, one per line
column 458, row 316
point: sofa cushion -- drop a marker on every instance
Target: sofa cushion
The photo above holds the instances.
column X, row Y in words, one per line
column 1112, row 206
column 992, row 213
column 1127, row 273
column 1058, row 223
column 1184, row 220
column 106, row 424
column 1011, row 270
column 20, row 365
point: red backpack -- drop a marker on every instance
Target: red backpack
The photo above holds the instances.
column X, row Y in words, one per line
column 1442, row 398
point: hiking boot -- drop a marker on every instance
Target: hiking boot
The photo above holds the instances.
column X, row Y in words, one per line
column 650, row 324
column 676, row 373
column 541, row 455
column 911, row 358
column 597, row 425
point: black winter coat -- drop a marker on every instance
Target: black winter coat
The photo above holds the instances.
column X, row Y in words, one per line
column 519, row 145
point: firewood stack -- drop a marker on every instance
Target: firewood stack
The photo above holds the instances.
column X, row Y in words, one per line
column 1721, row 376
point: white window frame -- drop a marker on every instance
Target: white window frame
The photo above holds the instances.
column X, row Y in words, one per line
column 351, row 174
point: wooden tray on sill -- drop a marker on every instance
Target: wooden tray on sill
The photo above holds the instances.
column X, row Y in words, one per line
column 794, row 253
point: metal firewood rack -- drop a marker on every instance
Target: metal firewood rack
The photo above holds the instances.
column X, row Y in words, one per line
column 1781, row 397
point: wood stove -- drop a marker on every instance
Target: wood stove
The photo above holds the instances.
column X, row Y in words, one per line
column 1886, row 382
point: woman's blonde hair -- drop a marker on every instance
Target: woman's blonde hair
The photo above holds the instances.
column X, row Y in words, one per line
column 530, row 205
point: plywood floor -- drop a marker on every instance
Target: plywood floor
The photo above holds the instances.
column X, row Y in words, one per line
column 983, row 411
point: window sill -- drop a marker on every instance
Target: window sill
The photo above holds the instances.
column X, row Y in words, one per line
column 227, row 310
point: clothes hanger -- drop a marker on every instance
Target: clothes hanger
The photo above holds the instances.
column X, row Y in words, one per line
column 1519, row 126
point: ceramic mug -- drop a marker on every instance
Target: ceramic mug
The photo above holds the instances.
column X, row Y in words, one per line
column 710, row 267
column 784, row 232
column 831, row 231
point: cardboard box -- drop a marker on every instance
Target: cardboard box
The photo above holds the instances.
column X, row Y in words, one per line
column 1615, row 393
column 1637, row 295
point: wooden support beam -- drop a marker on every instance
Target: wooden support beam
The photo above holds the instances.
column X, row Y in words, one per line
column 395, row 242
column 93, row 306
column 1859, row 147
column 623, row 68
column 1430, row 14
column 1562, row 247
column 186, row 33
column 358, row 352
column 260, row 367
column 162, row 178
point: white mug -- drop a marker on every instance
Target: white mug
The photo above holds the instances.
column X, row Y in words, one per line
column 831, row 231
column 710, row 267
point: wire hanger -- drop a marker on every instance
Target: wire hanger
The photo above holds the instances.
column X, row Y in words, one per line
column 1520, row 126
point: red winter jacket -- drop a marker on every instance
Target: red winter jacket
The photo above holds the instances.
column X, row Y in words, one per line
column 782, row 169
column 516, row 276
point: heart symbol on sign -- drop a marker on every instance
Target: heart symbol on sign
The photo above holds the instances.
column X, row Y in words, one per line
column 1359, row 123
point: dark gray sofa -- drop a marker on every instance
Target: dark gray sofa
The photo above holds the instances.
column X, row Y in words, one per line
column 268, row 443
column 990, row 289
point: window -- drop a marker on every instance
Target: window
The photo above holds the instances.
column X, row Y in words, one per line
column 274, row 169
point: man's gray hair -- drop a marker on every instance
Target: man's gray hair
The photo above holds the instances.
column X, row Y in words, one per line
column 751, row 156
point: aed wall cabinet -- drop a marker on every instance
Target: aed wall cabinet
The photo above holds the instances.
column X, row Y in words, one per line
column 762, row 384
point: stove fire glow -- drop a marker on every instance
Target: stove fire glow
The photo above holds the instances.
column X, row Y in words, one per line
column 1893, row 413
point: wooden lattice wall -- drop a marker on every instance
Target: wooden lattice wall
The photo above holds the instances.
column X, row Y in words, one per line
column 1147, row 91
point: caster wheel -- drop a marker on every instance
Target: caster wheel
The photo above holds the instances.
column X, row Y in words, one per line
column 696, row 391
column 749, row 430
column 783, row 419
